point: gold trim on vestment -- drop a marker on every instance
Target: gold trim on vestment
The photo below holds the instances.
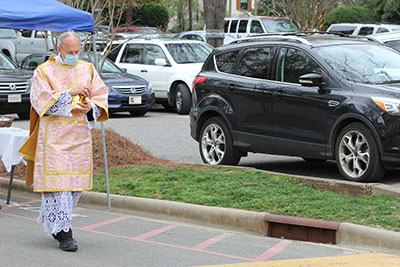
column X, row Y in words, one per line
column 63, row 190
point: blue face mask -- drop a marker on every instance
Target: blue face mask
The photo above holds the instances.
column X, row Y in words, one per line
column 70, row 59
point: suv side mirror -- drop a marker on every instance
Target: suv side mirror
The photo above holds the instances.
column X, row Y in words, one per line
column 124, row 70
column 160, row 62
column 310, row 80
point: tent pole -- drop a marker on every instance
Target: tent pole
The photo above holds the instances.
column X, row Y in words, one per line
column 96, row 65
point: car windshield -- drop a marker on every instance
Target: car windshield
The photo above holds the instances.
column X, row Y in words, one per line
column 108, row 66
column 394, row 44
column 189, row 52
column 279, row 25
column 5, row 63
column 363, row 63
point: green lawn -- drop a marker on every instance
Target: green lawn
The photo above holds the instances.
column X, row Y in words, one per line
column 251, row 190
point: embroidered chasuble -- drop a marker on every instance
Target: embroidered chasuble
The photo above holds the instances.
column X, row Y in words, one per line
column 59, row 149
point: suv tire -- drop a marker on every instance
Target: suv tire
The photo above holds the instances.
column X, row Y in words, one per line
column 357, row 154
column 183, row 100
column 215, row 144
column 23, row 115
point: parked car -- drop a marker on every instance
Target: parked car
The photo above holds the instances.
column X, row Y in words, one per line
column 192, row 35
column 362, row 28
column 170, row 66
column 320, row 97
column 242, row 27
column 391, row 39
column 135, row 31
column 18, row 44
column 14, row 89
column 127, row 92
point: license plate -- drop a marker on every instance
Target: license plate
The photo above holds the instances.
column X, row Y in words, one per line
column 14, row 99
column 135, row 100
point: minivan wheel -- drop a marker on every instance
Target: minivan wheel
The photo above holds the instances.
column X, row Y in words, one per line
column 216, row 145
column 182, row 99
column 357, row 154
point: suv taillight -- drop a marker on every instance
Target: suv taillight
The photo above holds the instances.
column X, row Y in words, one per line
column 198, row 80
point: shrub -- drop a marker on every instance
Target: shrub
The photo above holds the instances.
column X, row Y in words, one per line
column 355, row 14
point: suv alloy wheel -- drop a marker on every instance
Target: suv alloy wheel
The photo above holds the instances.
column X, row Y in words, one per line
column 357, row 155
column 216, row 143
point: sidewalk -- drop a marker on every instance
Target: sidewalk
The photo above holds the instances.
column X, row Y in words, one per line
column 350, row 235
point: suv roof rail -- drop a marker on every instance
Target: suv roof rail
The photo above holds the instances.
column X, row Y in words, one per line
column 281, row 36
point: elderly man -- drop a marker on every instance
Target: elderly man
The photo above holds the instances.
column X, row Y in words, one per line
column 67, row 97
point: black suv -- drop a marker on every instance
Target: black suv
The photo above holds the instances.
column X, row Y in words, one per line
column 319, row 97
column 14, row 89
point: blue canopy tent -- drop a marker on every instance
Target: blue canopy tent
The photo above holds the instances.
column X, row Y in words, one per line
column 50, row 15
column 47, row 15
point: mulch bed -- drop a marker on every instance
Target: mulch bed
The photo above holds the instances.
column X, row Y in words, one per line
column 121, row 152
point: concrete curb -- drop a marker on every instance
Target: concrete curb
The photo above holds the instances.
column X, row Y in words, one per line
column 352, row 235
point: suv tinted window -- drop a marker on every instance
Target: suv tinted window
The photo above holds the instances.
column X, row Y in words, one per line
column 256, row 27
column 133, row 53
column 243, row 25
column 26, row 33
column 226, row 25
column 153, row 52
column 233, row 26
column 366, row 30
column 380, row 30
column 295, row 63
column 256, row 62
column 342, row 29
column 226, row 61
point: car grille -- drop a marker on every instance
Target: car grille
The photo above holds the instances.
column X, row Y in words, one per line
column 130, row 89
column 11, row 87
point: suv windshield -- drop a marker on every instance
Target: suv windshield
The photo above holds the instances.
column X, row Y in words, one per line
column 5, row 63
column 188, row 52
column 279, row 25
column 365, row 63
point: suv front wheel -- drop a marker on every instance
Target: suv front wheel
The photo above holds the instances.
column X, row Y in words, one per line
column 357, row 154
column 216, row 144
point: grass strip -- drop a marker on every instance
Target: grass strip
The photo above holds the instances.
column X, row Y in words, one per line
column 250, row 190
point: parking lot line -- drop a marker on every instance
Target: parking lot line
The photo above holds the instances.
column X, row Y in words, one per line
column 154, row 232
column 273, row 250
column 99, row 224
column 211, row 241
column 33, row 201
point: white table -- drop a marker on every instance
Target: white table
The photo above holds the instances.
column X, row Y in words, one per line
column 11, row 140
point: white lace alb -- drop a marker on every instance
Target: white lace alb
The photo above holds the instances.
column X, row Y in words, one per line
column 56, row 211
column 62, row 107
column 96, row 115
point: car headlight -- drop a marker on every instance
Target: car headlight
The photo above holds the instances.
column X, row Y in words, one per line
column 390, row 105
column 150, row 87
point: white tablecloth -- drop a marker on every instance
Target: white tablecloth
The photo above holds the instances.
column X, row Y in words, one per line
column 11, row 140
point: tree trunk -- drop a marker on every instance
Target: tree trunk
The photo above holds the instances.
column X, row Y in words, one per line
column 190, row 15
column 128, row 18
column 214, row 12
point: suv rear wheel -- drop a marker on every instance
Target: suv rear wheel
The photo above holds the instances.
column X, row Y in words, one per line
column 357, row 154
column 182, row 99
column 216, row 146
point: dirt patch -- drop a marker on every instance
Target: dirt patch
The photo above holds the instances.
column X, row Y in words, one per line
column 121, row 152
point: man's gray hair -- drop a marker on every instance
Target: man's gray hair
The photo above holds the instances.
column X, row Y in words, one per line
column 65, row 35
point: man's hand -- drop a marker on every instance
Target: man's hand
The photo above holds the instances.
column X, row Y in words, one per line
column 80, row 90
column 82, row 107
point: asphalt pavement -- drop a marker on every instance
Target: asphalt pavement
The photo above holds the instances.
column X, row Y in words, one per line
column 120, row 239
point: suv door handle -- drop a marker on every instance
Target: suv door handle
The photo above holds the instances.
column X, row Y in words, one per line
column 231, row 87
column 143, row 70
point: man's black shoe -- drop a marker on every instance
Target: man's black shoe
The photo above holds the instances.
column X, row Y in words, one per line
column 69, row 244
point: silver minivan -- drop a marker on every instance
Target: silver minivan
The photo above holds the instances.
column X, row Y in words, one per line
column 241, row 27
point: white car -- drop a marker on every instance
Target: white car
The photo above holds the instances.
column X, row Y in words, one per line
column 362, row 28
column 169, row 65
column 391, row 39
